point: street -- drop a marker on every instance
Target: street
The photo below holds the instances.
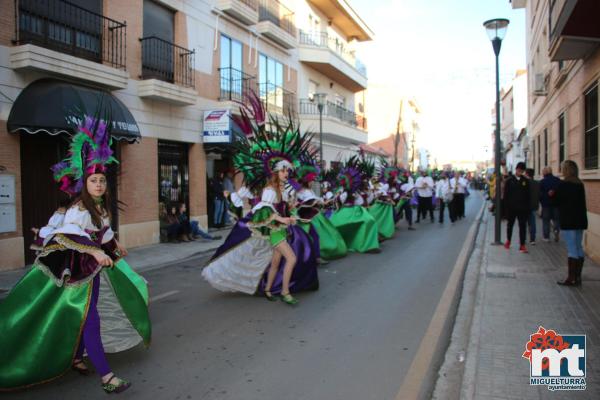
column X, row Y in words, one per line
column 355, row 338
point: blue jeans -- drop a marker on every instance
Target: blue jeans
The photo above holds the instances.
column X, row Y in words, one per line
column 532, row 228
column 196, row 231
column 549, row 214
column 226, row 208
column 218, row 216
column 573, row 238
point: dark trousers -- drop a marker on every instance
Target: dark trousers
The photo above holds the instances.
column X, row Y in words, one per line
column 442, row 208
column 425, row 205
column 460, row 205
column 452, row 207
column 407, row 208
column 522, row 217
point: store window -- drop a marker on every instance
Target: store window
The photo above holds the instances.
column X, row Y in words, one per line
column 173, row 173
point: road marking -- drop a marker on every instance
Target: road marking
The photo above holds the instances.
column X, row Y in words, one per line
column 421, row 365
column 164, row 295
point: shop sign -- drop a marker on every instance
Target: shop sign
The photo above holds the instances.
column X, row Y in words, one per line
column 217, row 126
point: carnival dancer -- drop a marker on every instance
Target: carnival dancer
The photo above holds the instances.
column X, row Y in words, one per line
column 78, row 283
column 352, row 220
column 382, row 208
column 267, row 238
column 331, row 244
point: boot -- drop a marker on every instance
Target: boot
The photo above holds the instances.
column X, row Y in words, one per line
column 578, row 270
column 571, row 280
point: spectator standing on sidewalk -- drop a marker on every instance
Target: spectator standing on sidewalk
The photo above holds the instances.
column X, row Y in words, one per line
column 518, row 205
column 572, row 212
column 534, row 197
column 548, row 186
column 219, row 201
column 229, row 188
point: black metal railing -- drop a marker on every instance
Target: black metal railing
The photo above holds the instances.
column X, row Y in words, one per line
column 166, row 61
column 277, row 13
column 235, row 85
column 68, row 28
column 335, row 44
column 330, row 109
column 277, row 99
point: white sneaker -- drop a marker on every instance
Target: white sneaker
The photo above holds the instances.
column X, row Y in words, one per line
column 545, row 240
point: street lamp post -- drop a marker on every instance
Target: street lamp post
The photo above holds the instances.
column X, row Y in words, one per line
column 496, row 30
column 320, row 99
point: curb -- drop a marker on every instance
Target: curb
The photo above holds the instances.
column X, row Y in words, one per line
column 451, row 380
column 420, row 379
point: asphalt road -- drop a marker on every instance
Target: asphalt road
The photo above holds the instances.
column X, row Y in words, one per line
column 355, row 338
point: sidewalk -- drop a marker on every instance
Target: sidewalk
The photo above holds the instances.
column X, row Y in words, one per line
column 506, row 297
column 141, row 258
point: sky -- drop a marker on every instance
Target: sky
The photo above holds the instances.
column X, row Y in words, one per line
column 437, row 51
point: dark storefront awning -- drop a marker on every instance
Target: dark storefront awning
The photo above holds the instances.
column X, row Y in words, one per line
column 48, row 106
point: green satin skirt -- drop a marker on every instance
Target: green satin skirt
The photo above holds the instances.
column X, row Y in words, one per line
column 384, row 217
column 330, row 241
column 41, row 323
column 357, row 227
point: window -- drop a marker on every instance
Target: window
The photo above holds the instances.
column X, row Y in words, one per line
column 561, row 139
column 545, row 148
column 591, row 129
column 270, row 76
column 231, row 69
column 159, row 21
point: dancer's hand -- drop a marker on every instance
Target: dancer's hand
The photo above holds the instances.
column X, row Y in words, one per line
column 292, row 221
column 102, row 259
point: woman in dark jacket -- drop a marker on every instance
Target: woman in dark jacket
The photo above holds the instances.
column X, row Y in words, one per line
column 570, row 199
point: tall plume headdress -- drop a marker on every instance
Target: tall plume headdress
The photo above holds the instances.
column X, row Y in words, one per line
column 89, row 153
column 264, row 147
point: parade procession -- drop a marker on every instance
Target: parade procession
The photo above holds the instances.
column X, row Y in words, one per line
column 82, row 298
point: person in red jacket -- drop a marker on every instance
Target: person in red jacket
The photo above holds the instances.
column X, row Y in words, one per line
column 518, row 205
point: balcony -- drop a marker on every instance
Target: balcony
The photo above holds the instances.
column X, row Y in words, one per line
column 277, row 23
column 574, row 32
column 278, row 100
column 61, row 38
column 167, row 72
column 345, row 18
column 245, row 11
column 235, row 85
column 332, row 57
column 339, row 123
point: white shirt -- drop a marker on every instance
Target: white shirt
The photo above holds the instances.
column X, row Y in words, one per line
column 237, row 198
column 77, row 221
column 407, row 187
column 441, row 188
column 56, row 220
column 461, row 182
column 424, row 186
column 306, row 194
column 358, row 200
